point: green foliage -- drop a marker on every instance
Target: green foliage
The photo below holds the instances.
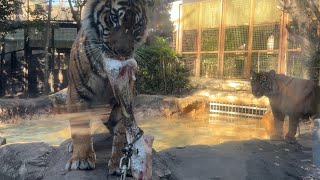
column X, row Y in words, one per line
column 159, row 23
column 7, row 10
column 209, row 66
column 237, row 38
column 209, row 40
column 160, row 71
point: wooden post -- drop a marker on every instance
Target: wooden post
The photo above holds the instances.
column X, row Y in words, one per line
column 178, row 32
column 198, row 60
column 249, row 56
column 46, row 51
column 180, row 29
column 283, row 43
column 3, row 46
column 221, row 39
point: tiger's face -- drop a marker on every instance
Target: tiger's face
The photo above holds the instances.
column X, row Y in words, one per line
column 262, row 84
column 116, row 26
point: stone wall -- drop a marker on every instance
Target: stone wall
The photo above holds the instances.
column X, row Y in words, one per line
column 226, row 91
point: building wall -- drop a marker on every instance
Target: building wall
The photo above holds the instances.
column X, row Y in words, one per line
column 227, row 38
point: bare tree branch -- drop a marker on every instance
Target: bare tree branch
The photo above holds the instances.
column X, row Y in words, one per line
column 75, row 14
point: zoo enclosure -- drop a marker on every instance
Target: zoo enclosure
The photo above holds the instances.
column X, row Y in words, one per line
column 22, row 50
column 227, row 38
column 22, row 67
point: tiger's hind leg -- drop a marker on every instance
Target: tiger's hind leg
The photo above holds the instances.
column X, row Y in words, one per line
column 278, row 126
column 117, row 129
column 293, row 126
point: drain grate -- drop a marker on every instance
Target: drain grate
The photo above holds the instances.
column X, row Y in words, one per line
column 252, row 111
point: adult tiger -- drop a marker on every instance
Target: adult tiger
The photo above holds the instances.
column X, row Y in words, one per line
column 296, row 98
column 110, row 29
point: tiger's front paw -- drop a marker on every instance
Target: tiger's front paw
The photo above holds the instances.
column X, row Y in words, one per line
column 113, row 168
column 79, row 161
column 290, row 140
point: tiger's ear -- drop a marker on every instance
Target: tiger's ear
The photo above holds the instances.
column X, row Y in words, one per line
column 272, row 73
column 252, row 74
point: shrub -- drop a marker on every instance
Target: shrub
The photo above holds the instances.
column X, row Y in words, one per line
column 160, row 71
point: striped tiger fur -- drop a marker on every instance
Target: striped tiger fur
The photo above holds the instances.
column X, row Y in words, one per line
column 110, row 28
column 294, row 97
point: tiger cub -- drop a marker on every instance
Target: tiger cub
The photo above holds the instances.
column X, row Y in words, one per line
column 294, row 97
column 110, row 29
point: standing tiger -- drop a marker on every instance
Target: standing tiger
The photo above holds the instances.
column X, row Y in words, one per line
column 296, row 98
column 110, row 29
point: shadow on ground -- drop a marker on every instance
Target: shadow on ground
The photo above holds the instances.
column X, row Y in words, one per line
column 253, row 159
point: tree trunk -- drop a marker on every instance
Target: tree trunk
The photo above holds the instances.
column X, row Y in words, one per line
column 46, row 51
column 3, row 45
column 31, row 65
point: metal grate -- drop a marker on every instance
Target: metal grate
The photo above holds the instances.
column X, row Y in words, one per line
column 252, row 111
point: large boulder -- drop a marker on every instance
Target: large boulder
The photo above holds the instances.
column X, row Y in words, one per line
column 24, row 161
column 40, row 161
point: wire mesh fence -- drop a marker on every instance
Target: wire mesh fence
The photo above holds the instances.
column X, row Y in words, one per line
column 190, row 41
column 236, row 38
column 240, row 110
column 237, row 35
column 189, row 62
column 210, row 39
column 264, row 61
column 209, row 65
column 266, row 37
column 234, row 65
